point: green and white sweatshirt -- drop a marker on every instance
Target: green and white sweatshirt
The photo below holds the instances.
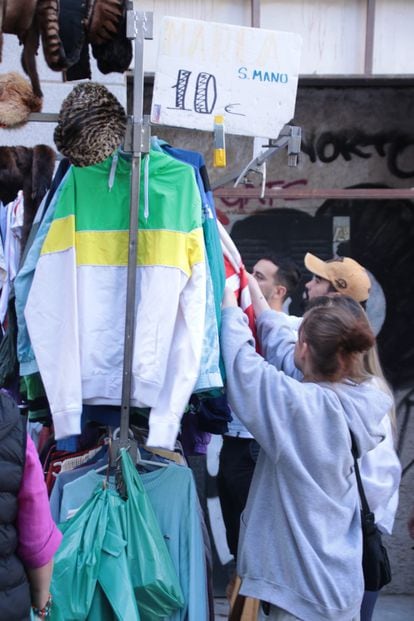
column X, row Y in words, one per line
column 76, row 307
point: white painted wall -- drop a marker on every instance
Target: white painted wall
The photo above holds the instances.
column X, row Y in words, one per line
column 394, row 40
column 333, row 30
column 224, row 11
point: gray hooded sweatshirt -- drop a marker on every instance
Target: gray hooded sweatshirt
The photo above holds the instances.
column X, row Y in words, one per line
column 300, row 542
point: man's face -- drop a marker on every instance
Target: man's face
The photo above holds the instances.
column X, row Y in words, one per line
column 265, row 273
column 317, row 286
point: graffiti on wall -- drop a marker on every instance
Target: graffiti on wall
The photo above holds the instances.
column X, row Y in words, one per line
column 327, row 147
column 252, row 205
column 396, row 147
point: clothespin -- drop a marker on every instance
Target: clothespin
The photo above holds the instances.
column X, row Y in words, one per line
column 219, row 156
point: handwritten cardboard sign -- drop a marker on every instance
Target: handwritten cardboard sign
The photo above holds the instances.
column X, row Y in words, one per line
column 204, row 69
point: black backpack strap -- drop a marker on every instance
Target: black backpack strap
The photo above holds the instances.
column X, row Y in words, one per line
column 364, row 502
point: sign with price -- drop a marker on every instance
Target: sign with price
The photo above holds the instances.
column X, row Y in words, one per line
column 204, row 69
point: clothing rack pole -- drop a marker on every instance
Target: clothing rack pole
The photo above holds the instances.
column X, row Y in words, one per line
column 139, row 27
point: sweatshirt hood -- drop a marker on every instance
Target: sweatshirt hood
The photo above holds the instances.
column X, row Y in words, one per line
column 364, row 406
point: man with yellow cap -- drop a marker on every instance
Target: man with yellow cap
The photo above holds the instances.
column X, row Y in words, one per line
column 341, row 274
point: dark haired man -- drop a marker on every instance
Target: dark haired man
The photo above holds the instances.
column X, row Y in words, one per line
column 278, row 277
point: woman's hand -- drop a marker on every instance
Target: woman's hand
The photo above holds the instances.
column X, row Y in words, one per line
column 258, row 300
column 229, row 299
column 39, row 580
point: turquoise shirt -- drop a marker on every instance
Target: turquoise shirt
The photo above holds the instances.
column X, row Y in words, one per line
column 173, row 496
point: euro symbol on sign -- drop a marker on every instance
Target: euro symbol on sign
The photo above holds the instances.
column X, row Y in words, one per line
column 227, row 109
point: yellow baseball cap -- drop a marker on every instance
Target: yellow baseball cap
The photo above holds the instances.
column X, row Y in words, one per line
column 346, row 275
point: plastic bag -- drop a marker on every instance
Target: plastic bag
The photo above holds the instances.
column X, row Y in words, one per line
column 113, row 562
column 91, row 572
column 153, row 574
column 76, row 563
column 114, row 595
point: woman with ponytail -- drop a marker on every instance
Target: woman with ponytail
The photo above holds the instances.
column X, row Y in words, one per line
column 380, row 468
column 300, row 544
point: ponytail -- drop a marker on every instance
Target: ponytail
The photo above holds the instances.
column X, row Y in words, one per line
column 337, row 333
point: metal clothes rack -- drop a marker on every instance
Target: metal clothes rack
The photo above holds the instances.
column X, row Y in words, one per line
column 139, row 27
column 137, row 142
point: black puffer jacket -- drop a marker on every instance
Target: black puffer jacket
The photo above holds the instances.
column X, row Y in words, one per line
column 14, row 586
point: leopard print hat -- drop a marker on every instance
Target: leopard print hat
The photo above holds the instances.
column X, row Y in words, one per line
column 91, row 124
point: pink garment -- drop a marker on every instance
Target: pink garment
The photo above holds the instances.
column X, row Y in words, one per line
column 39, row 537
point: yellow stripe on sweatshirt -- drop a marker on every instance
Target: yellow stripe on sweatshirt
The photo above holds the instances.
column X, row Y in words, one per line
column 61, row 236
column 167, row 248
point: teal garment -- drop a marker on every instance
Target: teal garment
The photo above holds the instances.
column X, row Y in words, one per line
column 215, row 260
column 217, row 272
column 211, row 368
column 93, row 553
column 212, row 242
column 209, row 377
column 210, row 230
column 173, row 496
column 79, row 491
column 23, row 282
column 114, row 547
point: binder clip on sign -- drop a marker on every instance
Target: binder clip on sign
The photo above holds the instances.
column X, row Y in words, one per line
column 219, row 155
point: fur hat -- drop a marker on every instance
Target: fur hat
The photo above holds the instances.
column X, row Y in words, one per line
column 345, row 274
column 116, row 54
column 19, row 18
column 105, row 19
column 98, row 20
column 91, row 124
column 17, row 100
column 30, row 170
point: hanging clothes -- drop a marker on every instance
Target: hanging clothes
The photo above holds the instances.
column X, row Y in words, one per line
column 11, row 249
column 210, row 376
column 3, row 225
column 173, row 497
column 236, row 276
column 82, row 268
column 210, row 222
column 24, row 278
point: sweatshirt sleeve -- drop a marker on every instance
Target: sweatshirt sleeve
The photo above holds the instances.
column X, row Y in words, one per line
column 277, row 340
column 381, row 476
column 23, row 281
column 51, row 314
column 265, row 399
column 182, row 362
column 39, row 538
